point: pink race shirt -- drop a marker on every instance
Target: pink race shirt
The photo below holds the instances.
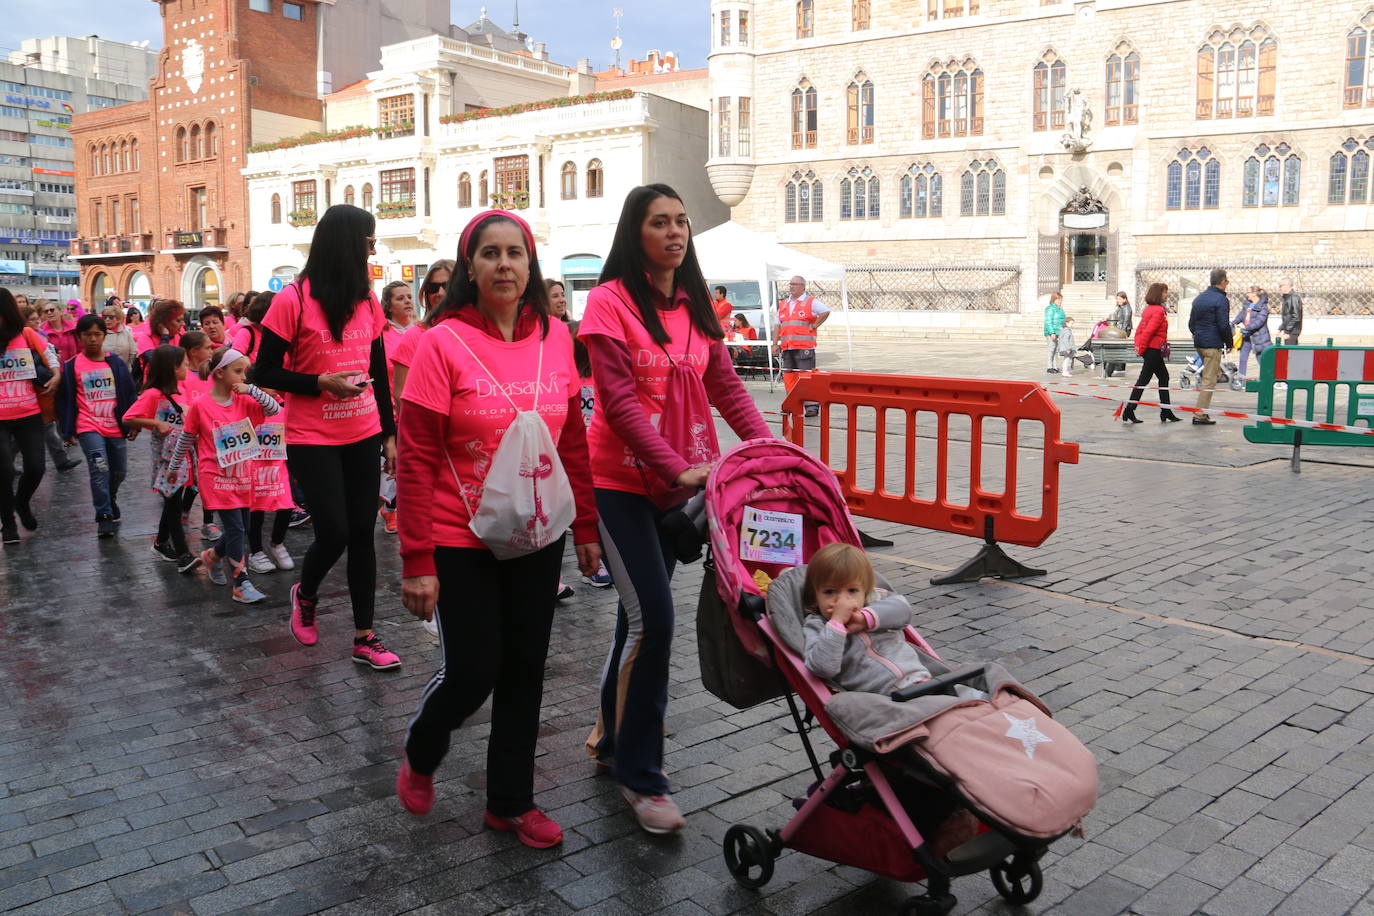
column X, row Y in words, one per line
column 246, row 339
column 609, row 313
column 392, row 341
column 324, row 419
column 95, row 398
column 447, row 380
column 271, row 483
column 404, row 353
column 154, row 405
column 193, row 388
column 226, row 449
column 18, row 397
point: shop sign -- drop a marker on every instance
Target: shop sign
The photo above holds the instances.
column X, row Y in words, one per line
column 26, row 100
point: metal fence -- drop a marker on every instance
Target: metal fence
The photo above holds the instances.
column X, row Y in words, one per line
column 926, row 288
column 1343, row 288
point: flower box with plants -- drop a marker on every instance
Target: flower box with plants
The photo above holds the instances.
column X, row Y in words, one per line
column 314, row 136
column 395, row 209
column 562, row 101
column 300, row 218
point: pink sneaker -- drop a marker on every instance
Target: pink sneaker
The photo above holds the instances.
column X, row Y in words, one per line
column 416, row 792
column 655, row 813
column 368, row 650
column 303, row 618
column 533, row 828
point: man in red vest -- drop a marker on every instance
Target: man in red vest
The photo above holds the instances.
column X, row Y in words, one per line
column 798, row 318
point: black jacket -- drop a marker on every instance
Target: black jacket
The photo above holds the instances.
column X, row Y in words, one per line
column 1290, row 314
column 125, row 394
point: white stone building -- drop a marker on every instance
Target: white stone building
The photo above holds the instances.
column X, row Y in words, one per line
column 939, row 149
column 453, row 128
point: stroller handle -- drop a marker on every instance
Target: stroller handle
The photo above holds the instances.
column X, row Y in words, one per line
column 937, row 684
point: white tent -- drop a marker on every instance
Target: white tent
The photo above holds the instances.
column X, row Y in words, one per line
column 731, row 252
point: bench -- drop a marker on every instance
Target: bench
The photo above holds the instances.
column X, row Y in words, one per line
column 1109, row 354
column 750, row 356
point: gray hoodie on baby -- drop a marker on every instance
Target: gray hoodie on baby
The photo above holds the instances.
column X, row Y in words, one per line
column 875, row 661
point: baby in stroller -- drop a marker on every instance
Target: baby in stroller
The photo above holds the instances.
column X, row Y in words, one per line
column 837, row 593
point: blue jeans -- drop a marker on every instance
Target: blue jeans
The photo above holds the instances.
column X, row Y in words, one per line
column 641, row 565
column 108, row 462
column 1246, row 348
column 233, row 527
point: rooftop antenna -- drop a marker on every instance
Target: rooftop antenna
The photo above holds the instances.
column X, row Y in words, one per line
column 617, row 13
column 516, row 24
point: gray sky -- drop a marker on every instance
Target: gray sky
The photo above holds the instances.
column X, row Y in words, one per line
column 571, row 30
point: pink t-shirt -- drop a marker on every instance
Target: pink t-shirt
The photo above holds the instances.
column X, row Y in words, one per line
column 226, row 449
column 404, row 354
column 154, row 405
column 271, row 483
column 95, row 397
column 392, row 342
column 246, row 339
column 193, row 388
column 324, row 419
column 609, row 313
column 18, row 397
column 447, row 380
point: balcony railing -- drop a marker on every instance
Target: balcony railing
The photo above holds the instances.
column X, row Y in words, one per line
column 131, row 243
column 212, row 237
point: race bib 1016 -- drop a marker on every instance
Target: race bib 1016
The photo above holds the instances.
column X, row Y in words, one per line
column 770, row 537
column 16, row 365
column 235, row 442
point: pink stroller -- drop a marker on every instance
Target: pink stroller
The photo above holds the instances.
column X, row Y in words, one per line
column 929, row 784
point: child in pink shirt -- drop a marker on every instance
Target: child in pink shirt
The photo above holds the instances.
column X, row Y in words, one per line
column 97, row 390
column 222, row 428
column 161, row 408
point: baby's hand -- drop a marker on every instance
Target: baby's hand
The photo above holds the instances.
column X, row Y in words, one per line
column 857, row 623
column 839, row 613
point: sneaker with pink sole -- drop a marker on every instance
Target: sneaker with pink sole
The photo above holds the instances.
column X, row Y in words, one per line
column 655, row 813
column 303, row 618
column 533, row 828
column 415, row 791
column 368, row 650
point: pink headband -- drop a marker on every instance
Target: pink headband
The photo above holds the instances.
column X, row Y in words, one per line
column 476, row 223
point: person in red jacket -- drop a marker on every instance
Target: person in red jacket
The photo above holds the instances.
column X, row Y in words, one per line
column 1150, row 337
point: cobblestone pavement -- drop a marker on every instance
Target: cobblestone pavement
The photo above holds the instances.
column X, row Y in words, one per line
column 1206, row 627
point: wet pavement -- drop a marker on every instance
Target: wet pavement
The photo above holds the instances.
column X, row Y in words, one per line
column 1206, row 626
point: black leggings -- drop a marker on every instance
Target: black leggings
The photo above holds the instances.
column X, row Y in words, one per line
column 281, row 520
column 28, row 436
column 340, row 484
column 494, row 621
column 1151, row 366
column 169, row 528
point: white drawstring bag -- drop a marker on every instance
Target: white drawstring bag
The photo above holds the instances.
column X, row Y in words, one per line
column 527, row 502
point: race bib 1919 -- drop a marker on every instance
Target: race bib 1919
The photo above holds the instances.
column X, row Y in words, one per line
column 235, row 442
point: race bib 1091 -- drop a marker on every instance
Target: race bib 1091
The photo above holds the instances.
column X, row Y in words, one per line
column 272, row 441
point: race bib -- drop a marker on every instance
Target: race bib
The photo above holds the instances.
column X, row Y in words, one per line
column 770, row 537
column 17, row 366
column 235, row 442
column 98, row 385
column 272, row 441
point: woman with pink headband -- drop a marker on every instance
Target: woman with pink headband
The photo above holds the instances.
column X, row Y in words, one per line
column 491, row 352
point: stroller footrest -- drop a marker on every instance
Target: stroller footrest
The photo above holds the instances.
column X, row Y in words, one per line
column 979, row 854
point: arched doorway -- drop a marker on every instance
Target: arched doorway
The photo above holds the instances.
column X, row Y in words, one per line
column 1079, row 243
column 201, row 284
column 1085, row 244
column 140, row 291
column 101, row 288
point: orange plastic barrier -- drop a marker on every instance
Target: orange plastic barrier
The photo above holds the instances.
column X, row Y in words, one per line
column 992, row 514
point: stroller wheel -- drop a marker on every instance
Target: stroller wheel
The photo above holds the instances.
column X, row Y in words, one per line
column 748, row 849
column 1018, row 884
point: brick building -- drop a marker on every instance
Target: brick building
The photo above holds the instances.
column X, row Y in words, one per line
column 162, row 206
column 965, row 157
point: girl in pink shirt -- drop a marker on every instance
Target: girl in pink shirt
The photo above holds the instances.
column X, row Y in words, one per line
column 491, row 351
column 399, row 308
column 161, row 408
column 222, row 428
column 21, row 421
column 650, row 313
column 322, row 347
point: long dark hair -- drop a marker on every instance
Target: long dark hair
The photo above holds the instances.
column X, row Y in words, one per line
column 162, row 369
column 626, row 264
column 462, row 289
column 337, row 264
column 256, row 310
column 12, row 323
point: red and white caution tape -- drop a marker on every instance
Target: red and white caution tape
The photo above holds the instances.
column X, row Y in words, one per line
column 1229, row 414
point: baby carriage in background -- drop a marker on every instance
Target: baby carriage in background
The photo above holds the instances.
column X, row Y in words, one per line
column 1190, row 376
column 925, row 785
